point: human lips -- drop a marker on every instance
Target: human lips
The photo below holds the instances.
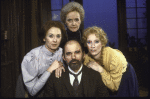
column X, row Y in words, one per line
column 92, row 50
column 74, row 61
column 73, row 27
column 54, row 44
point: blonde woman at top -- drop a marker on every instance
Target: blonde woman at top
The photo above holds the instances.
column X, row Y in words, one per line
column 72, row 15
column 109, row 62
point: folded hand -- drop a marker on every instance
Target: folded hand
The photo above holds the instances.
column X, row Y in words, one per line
column 95, row 66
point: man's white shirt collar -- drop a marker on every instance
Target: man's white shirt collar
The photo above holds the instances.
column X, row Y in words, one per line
column 72, row 77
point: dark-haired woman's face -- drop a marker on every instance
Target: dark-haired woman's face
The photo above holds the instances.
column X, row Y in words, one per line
column 73, row 21
column 52, row 39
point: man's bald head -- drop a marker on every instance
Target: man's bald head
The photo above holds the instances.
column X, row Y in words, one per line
column 73, row 41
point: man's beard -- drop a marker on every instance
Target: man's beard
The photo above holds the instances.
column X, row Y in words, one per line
column 75, row 66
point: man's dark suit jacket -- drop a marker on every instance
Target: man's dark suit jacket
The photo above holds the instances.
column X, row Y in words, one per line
column 61, row 87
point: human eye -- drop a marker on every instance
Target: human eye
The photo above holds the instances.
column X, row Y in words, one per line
column 69, row 20
column 76, row 19
column 51, row 35
column 97, row 41
column 77, row 52
column 58, row 36
column 68, row 53
column 88, row 42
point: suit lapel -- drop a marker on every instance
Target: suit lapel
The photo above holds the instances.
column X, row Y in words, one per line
column 85, row 81
column 66, row 80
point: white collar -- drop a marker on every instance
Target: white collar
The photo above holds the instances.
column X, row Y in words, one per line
column 75, row 72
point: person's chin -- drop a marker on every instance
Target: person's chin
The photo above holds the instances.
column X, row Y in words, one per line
column 54, row 48
column 74, row 30
column 93, row 53
column 75, row 67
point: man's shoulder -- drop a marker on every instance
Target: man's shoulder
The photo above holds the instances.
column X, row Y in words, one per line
column 90, row 71
column 54, row 79
column 92, row 75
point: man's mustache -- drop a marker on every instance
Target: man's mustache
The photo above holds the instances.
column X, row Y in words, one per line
column 74, row 60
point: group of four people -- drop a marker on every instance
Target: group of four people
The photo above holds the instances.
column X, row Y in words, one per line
column 52, row 71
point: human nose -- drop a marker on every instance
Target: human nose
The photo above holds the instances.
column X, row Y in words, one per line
column 92, row 45
column 73, row 22
column 73, row 56
column 54, row 39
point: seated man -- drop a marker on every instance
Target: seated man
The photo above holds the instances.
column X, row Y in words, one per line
column 77, row 80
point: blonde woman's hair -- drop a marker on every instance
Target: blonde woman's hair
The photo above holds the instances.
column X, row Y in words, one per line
column 70, row 7
column 98, row 31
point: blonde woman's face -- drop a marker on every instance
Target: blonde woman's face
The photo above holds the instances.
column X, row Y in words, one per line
column 73, row 21
column 53, row 39
column 94, row 45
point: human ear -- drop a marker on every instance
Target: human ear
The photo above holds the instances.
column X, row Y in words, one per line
column 44, row 39
column 63, row 57
column 83, row 54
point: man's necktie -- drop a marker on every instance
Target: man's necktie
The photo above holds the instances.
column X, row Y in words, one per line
column 75, row 83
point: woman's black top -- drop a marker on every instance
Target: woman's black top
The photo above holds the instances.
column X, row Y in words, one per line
column 74, row 35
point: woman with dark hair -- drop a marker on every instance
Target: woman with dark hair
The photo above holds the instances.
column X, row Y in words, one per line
column 40, row 62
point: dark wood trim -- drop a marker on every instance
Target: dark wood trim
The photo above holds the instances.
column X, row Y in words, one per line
column 27, row 7
column 148, row 21
column 122, row 27
column 79, row 1
column 148, row 30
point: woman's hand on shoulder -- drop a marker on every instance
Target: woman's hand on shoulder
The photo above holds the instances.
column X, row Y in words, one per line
column 95, row 66
column 58, row 71
column 56, row 64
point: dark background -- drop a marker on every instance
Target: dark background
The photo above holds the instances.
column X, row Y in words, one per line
column 22, row 19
